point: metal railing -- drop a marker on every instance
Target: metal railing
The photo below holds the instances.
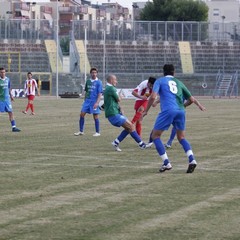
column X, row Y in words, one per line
column 121, row 30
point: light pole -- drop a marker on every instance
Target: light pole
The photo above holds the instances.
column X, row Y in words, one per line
column 31, row 17
column 57, row 52
column 85, row 54
column 223, row 18
column 7, row 23
column 134, row 7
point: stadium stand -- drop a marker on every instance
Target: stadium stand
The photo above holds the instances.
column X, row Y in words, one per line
column 132, row 58
column 18, row 57
column 51, row 49
column 209, row 57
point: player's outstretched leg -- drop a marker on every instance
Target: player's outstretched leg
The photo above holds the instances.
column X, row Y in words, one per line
column 138, row 139
column 172, row 136
column 150, row 141
column 191, row 160
column 162, row 153
column 119, row 139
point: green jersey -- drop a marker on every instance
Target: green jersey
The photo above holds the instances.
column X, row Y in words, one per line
column 4, row 89
column 111, row 106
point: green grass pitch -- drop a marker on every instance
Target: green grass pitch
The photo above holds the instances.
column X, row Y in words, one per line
column 54, row 185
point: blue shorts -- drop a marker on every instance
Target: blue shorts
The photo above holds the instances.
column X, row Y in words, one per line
column 87, row 107
column 166, row 118
column 5, row 106
column 117, row 120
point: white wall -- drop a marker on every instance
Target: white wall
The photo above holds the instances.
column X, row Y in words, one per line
column 223, row 14
column 5, row 6
column 227, row 8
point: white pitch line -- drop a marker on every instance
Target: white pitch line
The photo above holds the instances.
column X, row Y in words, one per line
column 151, row 165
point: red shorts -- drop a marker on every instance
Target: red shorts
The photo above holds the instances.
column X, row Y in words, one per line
column 140, row 103
column 31, row 97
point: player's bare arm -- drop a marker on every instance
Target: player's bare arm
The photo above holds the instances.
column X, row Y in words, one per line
column 200, row 106
column 135, row 94
column 98, row 100
column 150, row 102
column 156, row 102
column 189, row 101
column 11, row 96
column 195, row 101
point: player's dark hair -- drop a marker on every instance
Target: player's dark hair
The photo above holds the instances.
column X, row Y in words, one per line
column 151, row 80
column 168, row 69
column 93, row 69
column 29, row 73
column 2, row 68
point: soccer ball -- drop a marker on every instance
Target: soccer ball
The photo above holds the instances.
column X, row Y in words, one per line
column 101, row 105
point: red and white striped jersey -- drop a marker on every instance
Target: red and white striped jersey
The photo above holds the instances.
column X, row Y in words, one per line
column 143, row 89
column 30, row 86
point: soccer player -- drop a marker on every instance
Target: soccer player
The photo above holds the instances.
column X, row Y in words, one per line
column 171, row 92
column 174, row 130
column 141, row 92
column 30, row 87
column 114, row 114
column 6, row 98
column 93, row 93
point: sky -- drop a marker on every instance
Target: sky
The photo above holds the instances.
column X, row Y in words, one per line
column 124, row 3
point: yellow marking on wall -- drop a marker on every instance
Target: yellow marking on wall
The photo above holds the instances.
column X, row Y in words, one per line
column 186, row 57
column 52, row 54
column 81, row 51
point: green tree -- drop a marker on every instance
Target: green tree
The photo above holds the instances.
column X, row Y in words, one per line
column 175, row 10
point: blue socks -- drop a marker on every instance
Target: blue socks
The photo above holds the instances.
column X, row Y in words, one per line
column 161, row 150
column 172, row 136
column 81, row 124
column 133, row 134
column 122, row 135
column 187, row 148
column 13, row 123
column 136, row 137
column 97, row 125
column 82, row 121
column 150, row 137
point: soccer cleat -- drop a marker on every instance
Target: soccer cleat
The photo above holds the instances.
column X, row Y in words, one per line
column 32, row 113
column 16, row 129
column 191, row 167
column 163, row 168
column 167, row 145
column 116, row 147
column 142, row 145
column 149, row 145
column 96, row 134
column 78, row 133
column 24, row 112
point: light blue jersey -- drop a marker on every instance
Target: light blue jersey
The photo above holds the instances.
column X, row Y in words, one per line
column 171, row 92
column 92, row 88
